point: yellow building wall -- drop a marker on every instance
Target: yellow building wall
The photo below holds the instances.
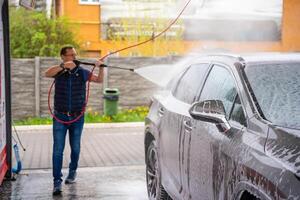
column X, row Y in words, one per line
column 87, row 17
column 291, row 25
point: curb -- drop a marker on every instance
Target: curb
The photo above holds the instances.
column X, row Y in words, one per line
column 86, row 126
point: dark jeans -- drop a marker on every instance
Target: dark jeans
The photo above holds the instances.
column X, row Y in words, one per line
column 59, row 136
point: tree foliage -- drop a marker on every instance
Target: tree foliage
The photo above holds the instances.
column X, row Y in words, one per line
column 33, row 34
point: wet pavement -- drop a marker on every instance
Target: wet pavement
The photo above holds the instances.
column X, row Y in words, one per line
column 105, row 183
column 111, row 165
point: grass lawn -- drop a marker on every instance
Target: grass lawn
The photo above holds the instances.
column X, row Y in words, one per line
column 137, row 114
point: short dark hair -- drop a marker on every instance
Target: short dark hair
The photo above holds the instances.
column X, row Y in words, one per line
column 63, row 50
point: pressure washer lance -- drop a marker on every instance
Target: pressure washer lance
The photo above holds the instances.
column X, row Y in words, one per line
column 77, row 62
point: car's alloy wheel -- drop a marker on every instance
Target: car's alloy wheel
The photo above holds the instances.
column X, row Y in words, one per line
column 152, row 171
column 154, row 187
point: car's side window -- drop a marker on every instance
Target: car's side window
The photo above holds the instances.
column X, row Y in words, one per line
column 220, row 86
column 189, row 85
column 172, row 85
column 237, row 113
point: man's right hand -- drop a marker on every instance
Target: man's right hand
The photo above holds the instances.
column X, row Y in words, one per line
column 69, row 65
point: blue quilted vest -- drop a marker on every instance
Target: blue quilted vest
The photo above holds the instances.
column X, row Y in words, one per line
column 70, row 91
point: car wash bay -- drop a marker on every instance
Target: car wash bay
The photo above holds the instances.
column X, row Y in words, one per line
column 111, row 164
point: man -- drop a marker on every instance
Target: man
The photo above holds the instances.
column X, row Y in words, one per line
column 69, row 101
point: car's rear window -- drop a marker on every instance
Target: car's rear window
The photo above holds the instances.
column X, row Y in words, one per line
column 277, row 90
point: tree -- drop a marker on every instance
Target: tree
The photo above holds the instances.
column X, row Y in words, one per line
column 33, row 34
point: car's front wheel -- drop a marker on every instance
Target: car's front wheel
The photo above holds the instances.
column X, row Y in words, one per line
column 154, row 187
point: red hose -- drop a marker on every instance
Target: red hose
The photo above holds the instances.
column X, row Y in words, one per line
column 123, row 49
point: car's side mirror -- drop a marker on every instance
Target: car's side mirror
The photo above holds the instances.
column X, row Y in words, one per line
column 211, row 111
column 29, row 4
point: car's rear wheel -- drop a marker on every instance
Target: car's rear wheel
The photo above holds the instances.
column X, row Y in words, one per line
column 154, row 187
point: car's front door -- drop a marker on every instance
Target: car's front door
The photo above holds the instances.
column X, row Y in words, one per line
column 173, row 110
column 205, row 166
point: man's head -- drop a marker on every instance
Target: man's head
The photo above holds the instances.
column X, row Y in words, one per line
column 68, row 53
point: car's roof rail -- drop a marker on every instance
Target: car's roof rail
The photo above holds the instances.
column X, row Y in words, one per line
column 221, row 54
column 231, row 55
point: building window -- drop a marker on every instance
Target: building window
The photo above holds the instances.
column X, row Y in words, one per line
column 92, row 2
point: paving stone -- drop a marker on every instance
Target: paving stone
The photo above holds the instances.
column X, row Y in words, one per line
column 100, row 146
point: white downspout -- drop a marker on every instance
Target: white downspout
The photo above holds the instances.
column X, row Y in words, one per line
column 48, row 8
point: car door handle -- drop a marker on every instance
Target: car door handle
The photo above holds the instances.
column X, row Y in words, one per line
column 161, row 111
column 187, row 125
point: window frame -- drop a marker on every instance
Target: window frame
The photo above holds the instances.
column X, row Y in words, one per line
column 231, row 111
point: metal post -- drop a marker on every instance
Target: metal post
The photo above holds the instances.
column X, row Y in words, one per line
column 7, row 85
column 105, row 81
column 37, row 86
column 105, row 74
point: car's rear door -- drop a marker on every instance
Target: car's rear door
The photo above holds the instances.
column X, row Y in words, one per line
column 172, row 111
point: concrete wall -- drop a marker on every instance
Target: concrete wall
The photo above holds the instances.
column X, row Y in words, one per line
column 30, row 87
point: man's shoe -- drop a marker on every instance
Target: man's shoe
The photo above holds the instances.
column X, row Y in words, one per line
column 71, row 177
column 57, row 188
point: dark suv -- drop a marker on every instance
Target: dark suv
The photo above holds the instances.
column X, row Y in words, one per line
column 227, row 127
